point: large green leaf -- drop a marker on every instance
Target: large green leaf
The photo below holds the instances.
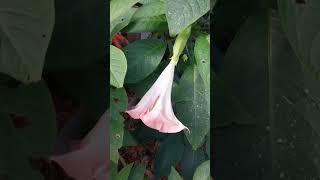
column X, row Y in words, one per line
column 202, row 55
column 193, row 106
column 124, row 21
column 113, row 170
column 166, row 157
column 137, row 172
column 143, row 57
column 309, row 36
column 296, row 115
column 203, row 171
column 34, row 103
column 174, row 175
column 25, row 31
column 118, row 67
column 118, row 101
column 148, row 24
column 182, row 13
column 128, row 139
column 303, row 30
column 148, row 1
column 228, row 17
column 289, row 12
column 125, row 172
column 149, row 10
column 116, row 136
column 271, row 85
column 120, row 14
column 190, row 161
column 142, row 86
column 244, row 77
column 227, row 102
column 241, row 68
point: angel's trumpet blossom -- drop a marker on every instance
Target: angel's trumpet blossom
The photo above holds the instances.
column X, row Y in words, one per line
column 90, row 160
column 155, row 108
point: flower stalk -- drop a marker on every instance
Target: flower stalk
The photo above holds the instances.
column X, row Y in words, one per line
column 180, row 43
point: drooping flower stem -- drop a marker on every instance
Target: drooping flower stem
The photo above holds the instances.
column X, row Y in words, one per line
column 180, row 43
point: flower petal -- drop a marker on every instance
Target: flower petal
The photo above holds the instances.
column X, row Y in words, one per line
column 157, row 120
column 149, row 99
column 84, row 162
column 155, row 108
column 73, row 163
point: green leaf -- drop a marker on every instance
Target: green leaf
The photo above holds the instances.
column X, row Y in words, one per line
column 227, row 102
column 119, row 101
column 182, row 13
column 240, row 70
column 203, row 171
column 13, row 157
column 174, row 175
column 303, row 30
column 118, row 67
column 149, row 10
column 166, row 157
column 190, row 161
column 120, row 13
column 143, row 58
column 149, row 24
column 289, row 12
column 124, row 22
column 272, row 86
column 308, row 31
column 113, row 170
column 142, row 86
column 128, row 139
column 25, row 31
column 202, row 55
column 193, row 106
column 148, row 1
column 245, row 68
column 116, row 137
column 125, row 172
column 137, row 172
column 34, row 103
column 296, row 99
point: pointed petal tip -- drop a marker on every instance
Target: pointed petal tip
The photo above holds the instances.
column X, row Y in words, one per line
column 175, row 131
column 187, row 129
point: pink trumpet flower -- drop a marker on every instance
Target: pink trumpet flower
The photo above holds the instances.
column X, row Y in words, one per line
column 155, row 108
column 90, row 160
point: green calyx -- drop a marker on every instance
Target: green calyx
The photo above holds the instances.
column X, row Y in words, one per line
column 180, row 43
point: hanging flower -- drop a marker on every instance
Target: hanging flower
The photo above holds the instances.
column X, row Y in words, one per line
column 155, row 108
column 90, row 160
